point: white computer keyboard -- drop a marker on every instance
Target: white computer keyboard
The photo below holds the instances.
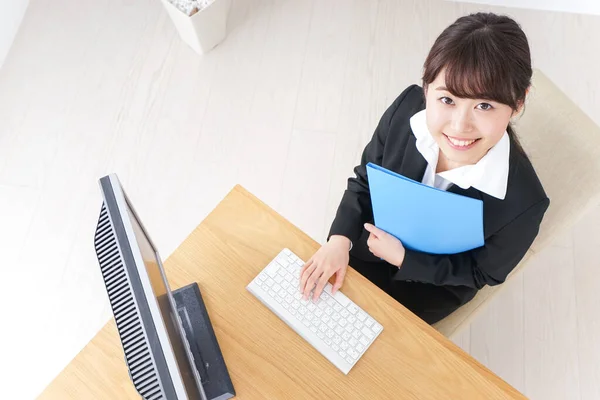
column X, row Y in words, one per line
column 334, row 325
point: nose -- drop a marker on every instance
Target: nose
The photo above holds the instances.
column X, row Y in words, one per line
column 461, row 121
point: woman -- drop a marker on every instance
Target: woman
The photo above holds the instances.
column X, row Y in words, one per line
column 453, row 134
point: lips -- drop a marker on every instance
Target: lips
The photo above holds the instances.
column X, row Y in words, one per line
column 461, row 144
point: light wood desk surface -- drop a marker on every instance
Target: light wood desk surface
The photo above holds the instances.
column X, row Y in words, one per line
column 265, row 358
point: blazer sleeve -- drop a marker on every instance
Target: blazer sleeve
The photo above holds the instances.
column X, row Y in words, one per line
column 486, row 265
column 355, row 207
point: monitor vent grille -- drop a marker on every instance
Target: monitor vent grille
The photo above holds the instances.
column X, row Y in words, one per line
column 129, row 324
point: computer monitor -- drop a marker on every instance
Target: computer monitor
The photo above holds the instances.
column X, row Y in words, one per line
column 170, row 347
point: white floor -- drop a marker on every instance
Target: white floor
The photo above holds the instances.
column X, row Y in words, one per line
column 283, row 107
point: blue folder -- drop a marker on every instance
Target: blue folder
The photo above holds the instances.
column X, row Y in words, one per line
column 424, row 218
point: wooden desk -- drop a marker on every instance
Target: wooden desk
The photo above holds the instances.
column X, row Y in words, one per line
column 266, row 359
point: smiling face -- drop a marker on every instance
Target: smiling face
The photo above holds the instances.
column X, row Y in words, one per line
column 464, row 129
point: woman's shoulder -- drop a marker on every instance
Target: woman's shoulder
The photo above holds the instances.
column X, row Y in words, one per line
column 411, row 99
column 524, row 189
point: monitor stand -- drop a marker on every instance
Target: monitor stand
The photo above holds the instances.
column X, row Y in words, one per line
column 208, row 358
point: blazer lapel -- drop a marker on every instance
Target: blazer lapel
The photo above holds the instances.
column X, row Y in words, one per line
column 413, row 163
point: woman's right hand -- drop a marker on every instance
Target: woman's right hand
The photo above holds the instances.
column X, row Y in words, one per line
column 331, row 258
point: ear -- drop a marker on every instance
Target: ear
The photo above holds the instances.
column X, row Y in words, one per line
column 521, row 104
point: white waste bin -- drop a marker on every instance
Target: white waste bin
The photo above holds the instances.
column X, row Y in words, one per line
column 203, row 30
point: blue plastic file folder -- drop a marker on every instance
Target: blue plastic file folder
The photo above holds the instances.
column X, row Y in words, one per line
column 424, row 218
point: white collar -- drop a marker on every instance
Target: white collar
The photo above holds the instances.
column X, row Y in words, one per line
column 489, row 175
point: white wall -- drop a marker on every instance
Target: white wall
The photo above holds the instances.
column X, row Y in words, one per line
column 11, row 14
column 574, row 6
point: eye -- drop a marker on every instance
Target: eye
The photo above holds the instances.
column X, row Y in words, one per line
column 485, row 106
column 446, row 100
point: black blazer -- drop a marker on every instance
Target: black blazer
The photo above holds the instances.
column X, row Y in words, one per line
column 510, row 225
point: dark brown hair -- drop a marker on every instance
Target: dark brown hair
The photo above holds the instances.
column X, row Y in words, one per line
column 485, row 56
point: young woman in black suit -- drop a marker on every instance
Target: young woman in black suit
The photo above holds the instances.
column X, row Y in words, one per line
column 453, row 133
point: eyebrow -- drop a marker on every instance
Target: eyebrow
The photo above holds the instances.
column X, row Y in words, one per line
column 441, row 88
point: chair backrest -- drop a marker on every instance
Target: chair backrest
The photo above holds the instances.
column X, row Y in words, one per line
column 563, row 144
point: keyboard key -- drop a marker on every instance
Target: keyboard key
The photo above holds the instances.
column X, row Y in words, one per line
column 287, row 252
column 298, row 295
column 289, row 298
column 262, row 277
column 335, row 347
column 358, row 325
column 337, row 339
column 309, row 316
column 376, row 327
column 306, row 322
column 285, row 284
column 331, row 301
column 349, row 360
column 328, row 342
column 368, row 333
column 285, row 305
column 329, row 311
column 344, row 345
column 364, row 340
column 292, row 290
column 322, row 305
column 270, row 282
column 295, row 304
column 303, row 301
column 351, row 319
column 272, row 293
column 346, row 336
column 311, row 307
column 361, row 316
column 288, row 277
column 336, row 317
column 325, row 318
column 356, row 334
column 318, row 312
column 302, row 310
column 329, row 333
column 342, row 354
column 278, row 279
column 369, row 322
column 343, row 322
column 283, row 262
column 352, row 308
column 349, row 328
column 321, row 335
column 337, row 307
column 344, row 313
column 353, row 342
column 265, row 287
column 313, row 328
column 339, row 330
column 360, row 348
column 271, row 272
column 331, row 324
column 323, row 328
column 282, row 293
